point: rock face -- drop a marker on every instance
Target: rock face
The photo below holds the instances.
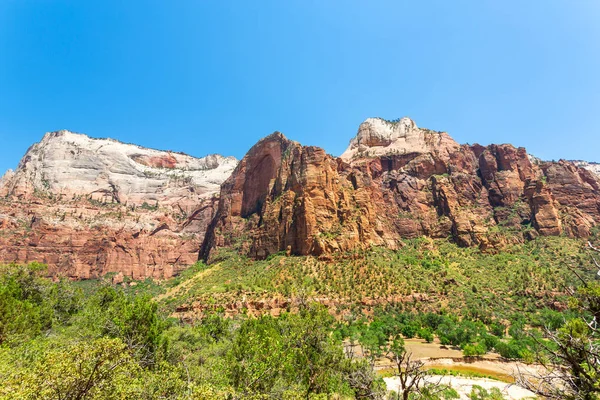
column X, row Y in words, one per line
column 68, row 164
column 396, row 181
column 378, row 137
column 591, row 166
column 87, row 207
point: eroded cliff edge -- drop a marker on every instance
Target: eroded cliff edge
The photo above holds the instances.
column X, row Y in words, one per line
column 396, row 181
column 88, row 207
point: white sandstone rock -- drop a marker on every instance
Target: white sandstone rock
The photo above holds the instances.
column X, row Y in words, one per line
column 378, row 137
column 591, row 166
column 69, row 164
column 7, row 177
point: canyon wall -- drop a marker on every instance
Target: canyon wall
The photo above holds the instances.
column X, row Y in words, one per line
column 88, row 207
column 396, row 181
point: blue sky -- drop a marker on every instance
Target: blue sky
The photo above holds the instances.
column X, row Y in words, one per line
column 215, row 76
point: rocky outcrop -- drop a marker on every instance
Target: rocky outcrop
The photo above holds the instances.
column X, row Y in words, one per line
column 378, row 137
column 87, row 207
column 591, row 166
column 69, row 165
column 396, row 181
column 286, row 196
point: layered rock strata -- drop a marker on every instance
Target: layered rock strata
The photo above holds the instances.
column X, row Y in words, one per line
column 88, row 207
column 396, row 181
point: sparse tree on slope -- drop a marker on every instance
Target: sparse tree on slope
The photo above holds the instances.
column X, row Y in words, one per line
column 572, row 356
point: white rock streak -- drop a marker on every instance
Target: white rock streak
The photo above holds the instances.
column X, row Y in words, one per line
column 591, row 166
column 72, row 164
column 378, row 137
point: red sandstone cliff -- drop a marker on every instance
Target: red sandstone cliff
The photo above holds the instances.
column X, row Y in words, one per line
column 396, row 181
column 88, row 207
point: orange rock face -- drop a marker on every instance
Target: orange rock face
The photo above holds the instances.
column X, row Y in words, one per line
column 287, row 197
column 163, row 161
column 80, row 240
column 87, row 207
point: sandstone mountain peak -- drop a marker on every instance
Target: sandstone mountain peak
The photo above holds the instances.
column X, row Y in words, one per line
column 379, row 137
column 71, row 164
column 270, row 140
column 87, row 207
column 274, row 136
column 396, row 181
column 8, row 175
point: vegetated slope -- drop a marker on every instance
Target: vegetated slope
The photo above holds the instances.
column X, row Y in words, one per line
column 56, row 340
column 396, row 181
column 425, row 275
column 87, row 207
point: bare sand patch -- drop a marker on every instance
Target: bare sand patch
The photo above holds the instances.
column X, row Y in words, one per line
column 464, row 386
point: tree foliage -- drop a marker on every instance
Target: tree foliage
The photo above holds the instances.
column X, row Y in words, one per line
column 113, row 345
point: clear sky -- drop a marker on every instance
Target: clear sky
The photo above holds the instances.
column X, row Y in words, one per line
column 215, row 76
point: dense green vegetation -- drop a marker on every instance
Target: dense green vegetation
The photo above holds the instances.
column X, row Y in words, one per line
column 57, row 343
column 93, row 340
column 474, row 337
column 424, row 276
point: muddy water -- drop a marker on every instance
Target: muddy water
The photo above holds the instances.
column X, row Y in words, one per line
column 474, row 369
column 487, row 371
column 477, row 370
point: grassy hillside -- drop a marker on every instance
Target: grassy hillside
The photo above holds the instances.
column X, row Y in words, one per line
column 424, row 276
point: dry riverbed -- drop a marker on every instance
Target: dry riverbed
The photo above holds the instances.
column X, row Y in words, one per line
column 488, row 372
column 464, row 386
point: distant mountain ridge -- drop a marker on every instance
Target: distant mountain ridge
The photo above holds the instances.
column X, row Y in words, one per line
column 87, row 207
column 589, row 165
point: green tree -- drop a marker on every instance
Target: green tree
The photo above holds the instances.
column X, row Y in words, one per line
column 31, row 304
column 133, row 319
column 257, row 355
column 474, row 350
column 572, row 354
column 100, row 369
column 315, row 357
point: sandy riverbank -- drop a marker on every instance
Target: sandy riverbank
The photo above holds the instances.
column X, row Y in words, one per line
column 436, row 356
column 464, row 386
